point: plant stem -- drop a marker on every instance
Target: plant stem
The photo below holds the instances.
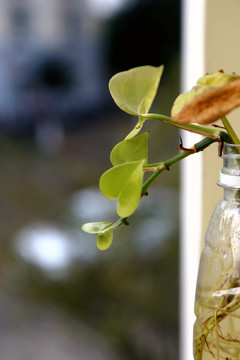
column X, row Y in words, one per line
column 202, row 130
column 165, row 165
column 136, row 129
column 118, row 223
column 230, row 130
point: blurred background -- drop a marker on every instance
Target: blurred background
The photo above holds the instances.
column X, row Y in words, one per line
column 61, row 298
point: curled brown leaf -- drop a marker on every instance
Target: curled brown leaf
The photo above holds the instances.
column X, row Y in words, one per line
column 211, row 105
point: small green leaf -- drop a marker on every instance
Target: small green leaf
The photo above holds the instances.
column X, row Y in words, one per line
column 133, row 149
column 104, row 240
column 95, row 227
column 134, row 90
column 124, row 182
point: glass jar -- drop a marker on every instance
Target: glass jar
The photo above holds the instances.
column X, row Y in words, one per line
column 217, row 301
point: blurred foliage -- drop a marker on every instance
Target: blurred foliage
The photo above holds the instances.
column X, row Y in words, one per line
column 131, row 299
column 150, row 35
column 118, row 298
column 54, row 73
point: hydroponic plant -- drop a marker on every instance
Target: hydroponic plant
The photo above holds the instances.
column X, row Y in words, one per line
column 217, row 328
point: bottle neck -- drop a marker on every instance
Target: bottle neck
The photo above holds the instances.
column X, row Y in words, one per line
column 232, row 194
column 230, row 173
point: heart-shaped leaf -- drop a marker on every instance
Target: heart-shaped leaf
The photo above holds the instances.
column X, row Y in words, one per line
column 134, row 90
column 124, row 182
column 133, row 149
column 104, row 240
column 95, row 227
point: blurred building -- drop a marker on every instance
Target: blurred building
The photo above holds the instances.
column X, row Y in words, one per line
column 51, row 61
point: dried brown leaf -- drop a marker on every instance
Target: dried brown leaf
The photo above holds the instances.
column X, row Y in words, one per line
column 211, row 105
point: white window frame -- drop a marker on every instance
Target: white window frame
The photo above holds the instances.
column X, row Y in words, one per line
column 193, row 66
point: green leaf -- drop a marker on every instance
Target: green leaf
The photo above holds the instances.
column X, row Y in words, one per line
column 133, row 149
column 134, row 90
column 95, row 227
column 105, row 237
column 124, row 182
column 104, row 240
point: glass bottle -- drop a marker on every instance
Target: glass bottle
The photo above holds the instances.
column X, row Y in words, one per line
column 217, row 301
